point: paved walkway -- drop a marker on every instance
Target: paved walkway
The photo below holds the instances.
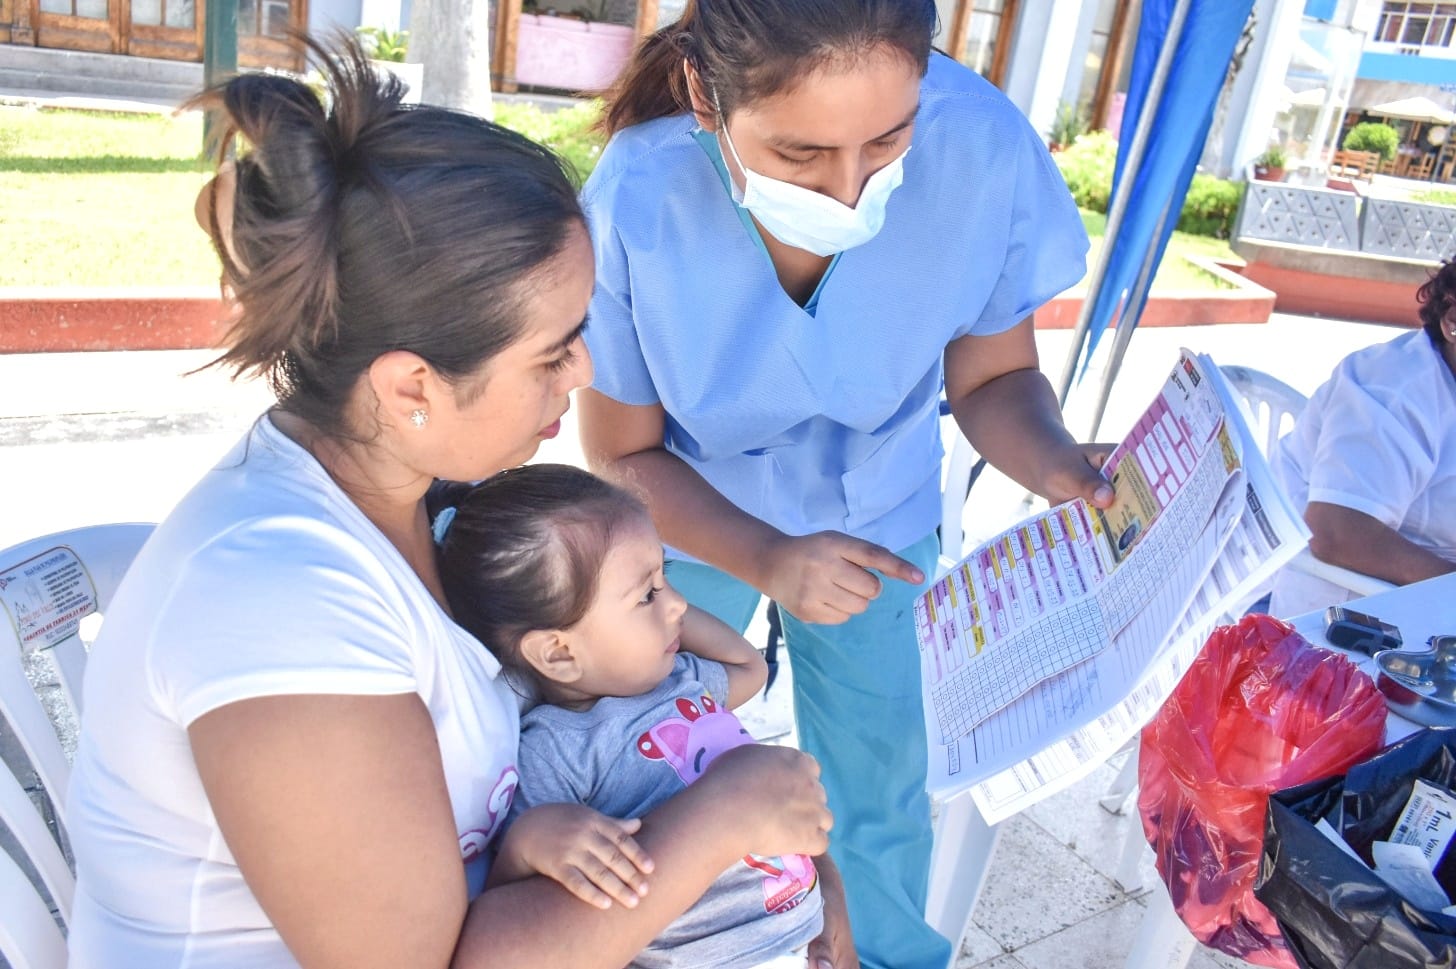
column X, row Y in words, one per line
column 97, row 437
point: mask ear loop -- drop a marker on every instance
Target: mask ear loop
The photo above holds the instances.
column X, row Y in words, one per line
column 723, row 127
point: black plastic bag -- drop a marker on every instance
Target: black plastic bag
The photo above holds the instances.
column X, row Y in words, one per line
column 1334, row 912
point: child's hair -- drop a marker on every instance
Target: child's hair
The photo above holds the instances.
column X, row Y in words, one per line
column 525, row 549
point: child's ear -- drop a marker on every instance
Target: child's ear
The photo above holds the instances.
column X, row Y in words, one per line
column 549, row 653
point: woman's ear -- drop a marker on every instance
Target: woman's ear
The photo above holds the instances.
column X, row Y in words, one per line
column 703, row 108
column 405, row 387
column 549, row 652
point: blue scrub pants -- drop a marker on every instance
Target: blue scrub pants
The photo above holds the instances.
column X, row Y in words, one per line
column 857, row 706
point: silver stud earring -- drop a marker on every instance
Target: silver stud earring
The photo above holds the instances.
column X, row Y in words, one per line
column 419, row 417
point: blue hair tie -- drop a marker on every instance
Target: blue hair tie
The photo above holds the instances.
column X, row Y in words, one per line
column 441, row 528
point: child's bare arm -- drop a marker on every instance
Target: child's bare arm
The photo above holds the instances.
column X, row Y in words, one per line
column 593, row 856
column 705, row 635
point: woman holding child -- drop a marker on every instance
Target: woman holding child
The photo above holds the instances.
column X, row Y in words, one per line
column 291, row 754
column 808, row 226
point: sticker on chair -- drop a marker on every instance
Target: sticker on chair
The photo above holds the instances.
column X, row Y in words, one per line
column 45, row 597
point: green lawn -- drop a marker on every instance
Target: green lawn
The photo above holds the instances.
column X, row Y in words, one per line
column 96, row 199
column 92, row 199
column 1174, row 272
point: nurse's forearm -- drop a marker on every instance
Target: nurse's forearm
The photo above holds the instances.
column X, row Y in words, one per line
column 1014, row 422
column 692, row 516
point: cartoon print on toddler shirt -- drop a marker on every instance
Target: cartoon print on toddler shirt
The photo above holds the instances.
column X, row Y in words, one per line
column 473, row 842
column 688, row 744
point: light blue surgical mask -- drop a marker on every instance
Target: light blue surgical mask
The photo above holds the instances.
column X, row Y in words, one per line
column 808, row 220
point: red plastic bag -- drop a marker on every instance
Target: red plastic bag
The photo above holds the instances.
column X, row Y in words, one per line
column 1259, row 710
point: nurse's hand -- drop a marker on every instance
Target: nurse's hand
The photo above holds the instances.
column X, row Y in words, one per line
column 1077, row 475
column 825, row 577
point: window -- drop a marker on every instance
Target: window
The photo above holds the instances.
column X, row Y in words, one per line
column 269, row 18
column 1417, row 24
column 980, row 35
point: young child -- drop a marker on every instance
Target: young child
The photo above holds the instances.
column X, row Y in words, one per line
column 560, row 574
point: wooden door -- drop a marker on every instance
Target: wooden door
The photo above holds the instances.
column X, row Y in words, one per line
column 263, row 27
column 164, row 28
column 93, row 25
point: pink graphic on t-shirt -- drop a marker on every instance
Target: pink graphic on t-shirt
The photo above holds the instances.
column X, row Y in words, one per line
column 787, row 880
column 473, row 842
column 690, row 743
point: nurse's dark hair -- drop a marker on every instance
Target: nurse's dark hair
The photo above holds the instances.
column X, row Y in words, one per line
column 363, row 225
column 525, row 550
column 1437, row 297
column 752, row 49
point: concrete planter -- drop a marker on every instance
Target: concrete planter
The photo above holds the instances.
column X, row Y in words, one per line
column 562, row 52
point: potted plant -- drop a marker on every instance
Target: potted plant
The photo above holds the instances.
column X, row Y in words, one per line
column 386, row 49
column 1269, row 167
column 574, row 50
column 1068, row 125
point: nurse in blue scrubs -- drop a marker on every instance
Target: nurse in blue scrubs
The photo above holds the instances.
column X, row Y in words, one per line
column 807, row 226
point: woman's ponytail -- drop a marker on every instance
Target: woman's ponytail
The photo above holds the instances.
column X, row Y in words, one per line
column 653, row 85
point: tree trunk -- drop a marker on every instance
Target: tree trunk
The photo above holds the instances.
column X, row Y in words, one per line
column 452, row 39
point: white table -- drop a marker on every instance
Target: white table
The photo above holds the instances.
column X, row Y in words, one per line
column 1420, row 611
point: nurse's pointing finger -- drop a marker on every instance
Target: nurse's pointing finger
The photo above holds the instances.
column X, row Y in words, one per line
column 884, row 561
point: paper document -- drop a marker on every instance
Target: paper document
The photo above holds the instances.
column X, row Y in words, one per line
column 1052, row 643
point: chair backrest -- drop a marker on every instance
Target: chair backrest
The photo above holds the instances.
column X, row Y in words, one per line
column 29, row 936
column 1354, row 164
column 1270, row 402
column 959, row 472
column 1422, row 169
column 47, row 586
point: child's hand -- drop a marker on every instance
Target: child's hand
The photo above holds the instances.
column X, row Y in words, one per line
column 834, row 948
column 593, row 856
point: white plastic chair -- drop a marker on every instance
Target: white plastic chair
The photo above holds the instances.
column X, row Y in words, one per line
column 94, row 560
column 1270, row 404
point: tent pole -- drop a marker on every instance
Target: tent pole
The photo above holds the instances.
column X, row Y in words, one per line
column 1119, row 203
column 1132, row 309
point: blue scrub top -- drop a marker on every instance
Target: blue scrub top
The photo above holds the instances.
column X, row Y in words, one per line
column 826, row 419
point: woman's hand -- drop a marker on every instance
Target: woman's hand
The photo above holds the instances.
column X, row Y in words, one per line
column 591, row 855
column 834, row 948
column 825, row 577
column 774, row 792
column 1077, row 474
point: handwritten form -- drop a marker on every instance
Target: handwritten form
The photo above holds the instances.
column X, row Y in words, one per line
column 1051, row 644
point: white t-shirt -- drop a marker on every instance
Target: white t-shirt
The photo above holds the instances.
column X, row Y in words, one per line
column 1378, row 437
column 266, row 580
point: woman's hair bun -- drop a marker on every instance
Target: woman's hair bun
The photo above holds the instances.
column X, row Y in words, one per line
column 360, row 225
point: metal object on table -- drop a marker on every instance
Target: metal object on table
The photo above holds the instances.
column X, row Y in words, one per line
column 1420, row 685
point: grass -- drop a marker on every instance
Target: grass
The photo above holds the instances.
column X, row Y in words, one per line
column 96, row 199
column 1174, row 272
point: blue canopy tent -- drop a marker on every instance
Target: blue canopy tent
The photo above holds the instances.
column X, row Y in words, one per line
column 1183, row 52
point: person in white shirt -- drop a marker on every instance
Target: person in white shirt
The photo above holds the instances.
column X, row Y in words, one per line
column 1372, row 460
column 291, row 755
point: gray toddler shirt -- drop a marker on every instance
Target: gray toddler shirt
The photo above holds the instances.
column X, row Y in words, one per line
column 625, row 756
